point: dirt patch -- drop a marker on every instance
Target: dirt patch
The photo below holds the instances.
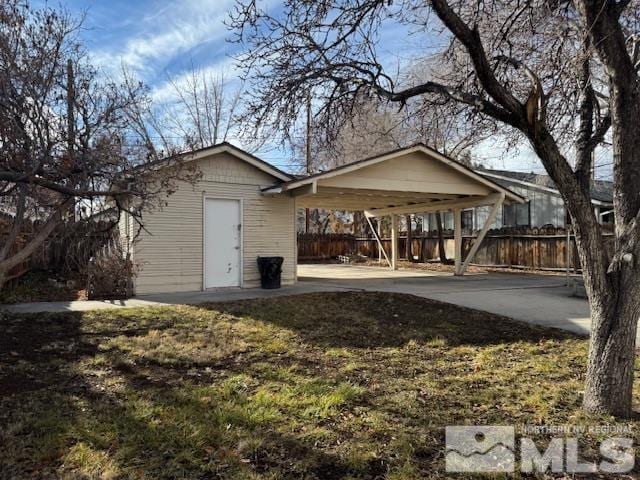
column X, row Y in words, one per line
column 42, row 286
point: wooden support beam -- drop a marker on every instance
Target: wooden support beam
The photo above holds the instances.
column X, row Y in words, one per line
column 485, row 228
column 444, row 205
column 394, row 242
column 339, row 204
column 380, row 247
column 309, row 189
column 457, row 240
column 379, row 230
column 367, row 192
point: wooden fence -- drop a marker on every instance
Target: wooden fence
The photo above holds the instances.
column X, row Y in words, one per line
column 314, row 247
column 67, row 250
column 543, row 248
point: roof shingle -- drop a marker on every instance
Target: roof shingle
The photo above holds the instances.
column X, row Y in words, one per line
column 601, row 190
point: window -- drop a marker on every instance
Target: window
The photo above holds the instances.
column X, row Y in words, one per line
column 606, row 216
column 516, row 215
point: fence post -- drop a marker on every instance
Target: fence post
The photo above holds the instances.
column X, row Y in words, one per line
column 510, row 251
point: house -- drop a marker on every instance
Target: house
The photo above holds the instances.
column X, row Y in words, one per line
column 210, row 233
column 176, row 251
column 543, row 207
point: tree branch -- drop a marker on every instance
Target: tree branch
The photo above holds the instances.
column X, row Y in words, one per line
column 473, row 44
column 584, row 144
column 27, row 179
column 627, row 242
column 17, row 224
column 607, row 38
column 475, row 101
column 52, row 222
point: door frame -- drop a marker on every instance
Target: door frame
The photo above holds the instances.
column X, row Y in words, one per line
column 240, row 201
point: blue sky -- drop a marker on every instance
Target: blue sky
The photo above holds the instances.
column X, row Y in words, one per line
column 158, row 39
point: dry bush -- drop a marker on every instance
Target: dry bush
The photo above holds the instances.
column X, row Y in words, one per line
column 110, row 273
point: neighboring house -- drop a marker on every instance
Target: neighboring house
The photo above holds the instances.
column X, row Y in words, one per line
column 544, row 204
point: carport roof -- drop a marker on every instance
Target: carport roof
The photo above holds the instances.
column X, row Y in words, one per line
column 407, row 180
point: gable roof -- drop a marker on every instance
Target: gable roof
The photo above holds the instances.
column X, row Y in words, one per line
column 601, row 190
column 224, row 147
column 419, row 147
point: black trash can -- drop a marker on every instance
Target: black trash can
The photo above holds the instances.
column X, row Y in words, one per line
column 270, row 271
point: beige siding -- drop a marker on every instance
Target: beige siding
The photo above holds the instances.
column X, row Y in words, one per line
column 170, row 254
column 412, row 172
column 125, row 231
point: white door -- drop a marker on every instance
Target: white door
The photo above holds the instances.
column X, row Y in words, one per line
column 222, row 243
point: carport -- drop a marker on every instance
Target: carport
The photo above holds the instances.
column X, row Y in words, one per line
column 417, row 179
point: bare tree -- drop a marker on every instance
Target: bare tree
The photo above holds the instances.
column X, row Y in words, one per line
column 68, row 137
column 561, row 75
column 447, row 126
column 203, row 109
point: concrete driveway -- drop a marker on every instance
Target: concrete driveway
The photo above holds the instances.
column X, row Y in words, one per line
column 539, row 299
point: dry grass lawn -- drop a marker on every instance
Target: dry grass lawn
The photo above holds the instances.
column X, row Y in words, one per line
column 326, row 386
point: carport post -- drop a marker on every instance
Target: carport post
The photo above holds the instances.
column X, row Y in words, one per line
column 376, row 234
column 482, row 233
column 394, row 242
column 457, row 240
column 379, row 234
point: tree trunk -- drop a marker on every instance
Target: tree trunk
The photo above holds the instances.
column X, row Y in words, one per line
column 610, row 367
column 306, row 220
column 409, row 245
column 23, row 255
column 614, row 291
column 614, row 299
column 441, row 249
column 359, row 224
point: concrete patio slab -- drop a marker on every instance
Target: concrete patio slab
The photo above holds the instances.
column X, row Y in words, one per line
column 342, row 271
column 540, row 299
